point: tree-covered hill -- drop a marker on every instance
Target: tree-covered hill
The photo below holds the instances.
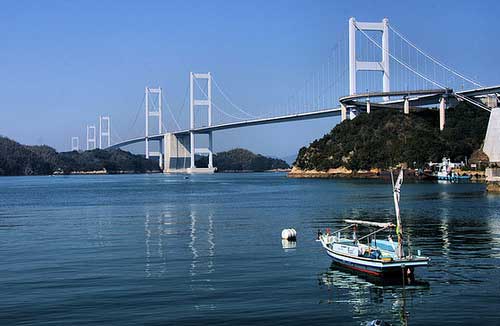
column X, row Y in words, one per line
column 17, row 159
column 239, row 159
column 386, row 138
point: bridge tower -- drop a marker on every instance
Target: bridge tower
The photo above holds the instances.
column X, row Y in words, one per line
column 152, row 112
column 75, row 144
column 104, row 131
column 355, row 65
column 91, row 137
column 194, row 104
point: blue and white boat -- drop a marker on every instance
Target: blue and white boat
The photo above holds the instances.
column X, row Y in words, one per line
column 368, row 254
column 444, row 171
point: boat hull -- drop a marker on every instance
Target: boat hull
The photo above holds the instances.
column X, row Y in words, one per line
column 454, row 178
column 375, row 267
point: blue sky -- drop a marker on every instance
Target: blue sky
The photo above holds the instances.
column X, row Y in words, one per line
column 63, row 63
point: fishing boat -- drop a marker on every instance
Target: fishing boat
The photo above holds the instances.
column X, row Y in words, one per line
column 363, row 252
column 444, row 171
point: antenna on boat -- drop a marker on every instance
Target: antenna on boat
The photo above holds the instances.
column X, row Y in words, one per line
column 396, row 189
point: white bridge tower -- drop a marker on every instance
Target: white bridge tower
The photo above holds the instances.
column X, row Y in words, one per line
column 75, row 144
column 355, row 65
column 204, row 104
column 154, row 111
column 104, row 131
column 91, row 137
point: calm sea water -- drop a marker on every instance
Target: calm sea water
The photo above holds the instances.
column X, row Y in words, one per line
column 162, row 249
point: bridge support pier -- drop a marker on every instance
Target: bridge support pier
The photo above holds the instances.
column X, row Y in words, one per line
column 353, row 112
column 191, row 151
column 160, row 158
column 343, row 111
column 442, row 108
column 492, row 140
column 211, row 151
column 177, row 156
column 406, row 106
column 368, row 106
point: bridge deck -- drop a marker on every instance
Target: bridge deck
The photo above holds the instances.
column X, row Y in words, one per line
column 255, row 122
column 417, row 98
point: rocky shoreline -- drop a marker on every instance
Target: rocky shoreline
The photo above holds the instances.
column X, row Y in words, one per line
column 344, row 173
column 334, row 174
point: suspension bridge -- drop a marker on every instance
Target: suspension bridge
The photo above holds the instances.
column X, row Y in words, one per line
column 375, row 67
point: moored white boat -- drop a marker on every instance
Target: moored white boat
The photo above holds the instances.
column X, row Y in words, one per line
column 444, row 171
column 369, row 255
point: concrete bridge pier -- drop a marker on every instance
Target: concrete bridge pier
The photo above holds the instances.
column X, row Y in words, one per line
column 176, row 153
column 491, row 145
column 160, row 158
column 343, row 112
column 442, row 109
column 491, row 148
column 406, row 106
column 179, row 154
column 353, row 112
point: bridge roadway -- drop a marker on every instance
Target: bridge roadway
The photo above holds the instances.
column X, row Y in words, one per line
column 254, row 122
column 416, row 98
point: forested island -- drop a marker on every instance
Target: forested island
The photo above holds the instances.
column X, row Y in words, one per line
column 242, row 160
column 18, row 159
column 387, row 138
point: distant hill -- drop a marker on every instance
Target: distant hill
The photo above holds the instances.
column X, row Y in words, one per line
column 239, row 159
column 386, row 138
column 18, row 159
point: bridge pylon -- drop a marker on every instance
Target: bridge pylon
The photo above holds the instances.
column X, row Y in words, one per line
column 153, row 111
column 104, row 131
column 91, row 137
column 356, row 65
column 203, row 104
column 75, row 144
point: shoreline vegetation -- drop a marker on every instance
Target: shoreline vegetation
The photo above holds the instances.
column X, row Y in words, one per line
column 243, row 160
column 369, row 146
column 23, row 160
column 103, row 171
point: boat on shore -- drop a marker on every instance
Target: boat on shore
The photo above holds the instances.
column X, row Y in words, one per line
column 366, row 253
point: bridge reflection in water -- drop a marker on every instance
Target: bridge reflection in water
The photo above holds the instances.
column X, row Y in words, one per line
column 163, row 230
column 202, row 246
column 156, row 257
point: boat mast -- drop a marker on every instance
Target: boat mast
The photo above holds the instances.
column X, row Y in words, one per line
column 396, row 186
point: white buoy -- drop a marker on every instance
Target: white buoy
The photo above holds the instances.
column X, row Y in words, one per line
column 288, row 234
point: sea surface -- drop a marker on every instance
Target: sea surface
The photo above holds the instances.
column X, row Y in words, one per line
column 170, row 250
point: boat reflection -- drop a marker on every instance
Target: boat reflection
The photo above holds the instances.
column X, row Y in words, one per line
column 371, row 298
